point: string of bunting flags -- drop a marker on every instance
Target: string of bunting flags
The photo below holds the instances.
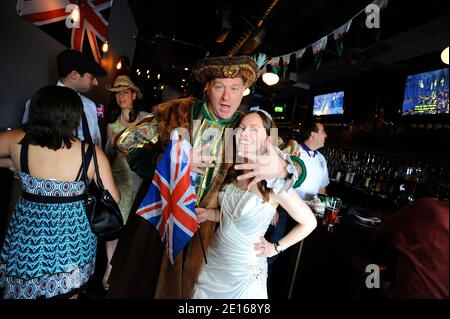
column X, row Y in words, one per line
column 281, row 62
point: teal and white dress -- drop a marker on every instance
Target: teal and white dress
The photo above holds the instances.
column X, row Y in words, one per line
column 49, row 249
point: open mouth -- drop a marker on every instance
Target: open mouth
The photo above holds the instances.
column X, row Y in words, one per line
column 225, row 107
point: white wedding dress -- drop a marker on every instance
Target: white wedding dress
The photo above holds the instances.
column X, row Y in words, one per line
column 233, row 271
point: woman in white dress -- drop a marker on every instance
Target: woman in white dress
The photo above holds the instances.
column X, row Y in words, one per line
column 236, row 265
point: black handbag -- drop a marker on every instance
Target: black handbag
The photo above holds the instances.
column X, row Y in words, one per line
column 102, row 210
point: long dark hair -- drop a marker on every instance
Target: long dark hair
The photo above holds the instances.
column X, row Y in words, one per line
column 232, row 174
column 55, row 114
column 116, row 110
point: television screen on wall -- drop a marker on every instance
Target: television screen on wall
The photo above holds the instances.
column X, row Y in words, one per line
column 426, row 93
column 329, row 104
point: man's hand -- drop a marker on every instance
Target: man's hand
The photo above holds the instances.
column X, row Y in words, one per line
column 199, row 161
column 263, row 167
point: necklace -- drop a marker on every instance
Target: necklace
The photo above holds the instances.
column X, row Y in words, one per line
column 125, row 122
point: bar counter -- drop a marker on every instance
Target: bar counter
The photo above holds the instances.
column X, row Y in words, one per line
column 333, row 264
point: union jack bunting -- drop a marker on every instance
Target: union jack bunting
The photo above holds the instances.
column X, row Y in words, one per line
column 50, row 16
column 170, row 201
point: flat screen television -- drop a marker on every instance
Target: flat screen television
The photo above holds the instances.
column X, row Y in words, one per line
column 329, row 104
column 426, row 93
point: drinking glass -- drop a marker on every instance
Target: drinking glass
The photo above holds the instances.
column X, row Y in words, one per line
column 331, row 215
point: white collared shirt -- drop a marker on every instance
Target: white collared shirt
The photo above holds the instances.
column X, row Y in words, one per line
column 316, row 174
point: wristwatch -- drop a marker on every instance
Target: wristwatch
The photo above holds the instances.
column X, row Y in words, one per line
column 278, row 247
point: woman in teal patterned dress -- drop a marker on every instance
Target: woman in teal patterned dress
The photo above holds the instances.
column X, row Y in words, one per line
column 123, row 114
column 49, row 250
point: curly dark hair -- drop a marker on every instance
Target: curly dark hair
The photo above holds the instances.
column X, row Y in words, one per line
column 55, row 114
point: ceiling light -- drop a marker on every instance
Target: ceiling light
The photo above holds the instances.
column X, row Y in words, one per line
column 444, row 55
column 105, row 47
column 186, row 69
column 76, row 14
column 270, row 78
column 246, row 92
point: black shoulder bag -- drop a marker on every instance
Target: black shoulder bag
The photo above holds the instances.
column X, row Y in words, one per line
column 102, row 210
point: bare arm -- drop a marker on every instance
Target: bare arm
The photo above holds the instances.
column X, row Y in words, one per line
column 110, row 149
column 106, row 174
column 211, row 213
column 109, row 132
column 5, row 140
column 8, row 157
column 7, row 162
column 204, row 214
column 300, row 212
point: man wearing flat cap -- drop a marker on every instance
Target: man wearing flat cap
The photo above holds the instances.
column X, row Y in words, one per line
column 140, row 268
column 79, row 72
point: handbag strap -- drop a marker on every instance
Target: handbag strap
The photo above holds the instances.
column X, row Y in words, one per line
column 86, row 134
column 97, row 172
column 84, row 157
column 24, row 158
column 85, row 160
column 85, row 167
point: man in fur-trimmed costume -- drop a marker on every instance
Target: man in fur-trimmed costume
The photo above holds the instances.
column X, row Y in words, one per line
column 140, row 267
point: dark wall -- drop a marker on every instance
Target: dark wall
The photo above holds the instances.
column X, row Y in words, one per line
column 28, row 54
column 27, row 59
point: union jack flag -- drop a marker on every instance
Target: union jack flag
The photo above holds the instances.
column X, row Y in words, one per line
column 100, row 111
column 170, row 201
column 51, row 17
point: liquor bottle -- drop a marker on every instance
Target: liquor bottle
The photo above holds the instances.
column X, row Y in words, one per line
column 361, row 171
column 368, row 172
column 373, row 177
column 380, row 177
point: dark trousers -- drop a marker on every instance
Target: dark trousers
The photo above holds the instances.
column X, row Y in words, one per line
column 277, row 263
